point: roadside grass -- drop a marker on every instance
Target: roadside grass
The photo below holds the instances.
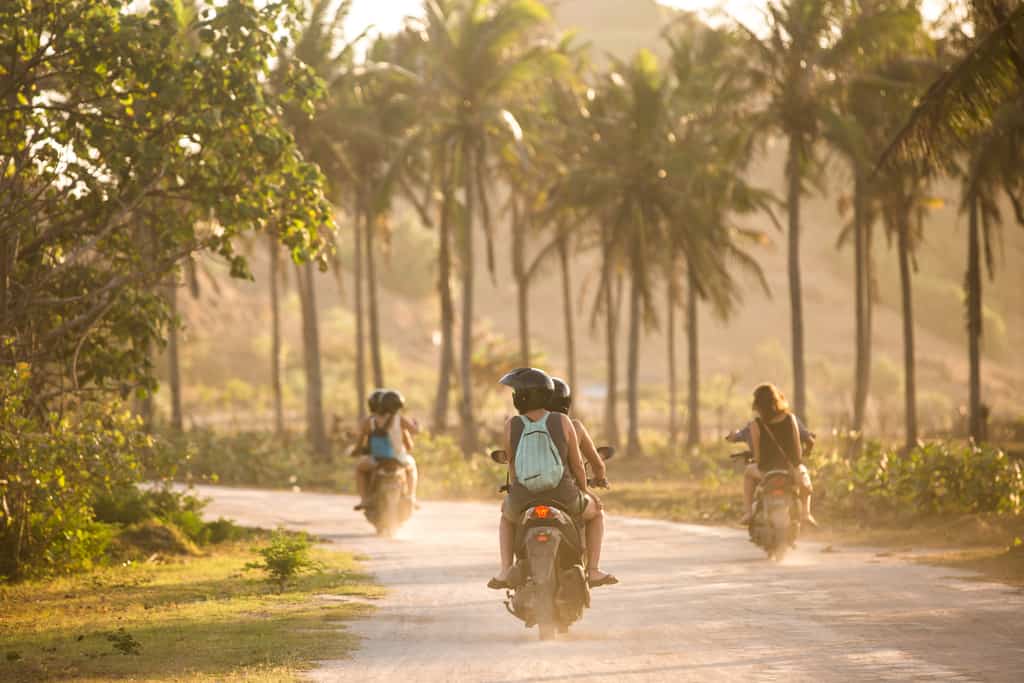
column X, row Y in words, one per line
column 199, row 618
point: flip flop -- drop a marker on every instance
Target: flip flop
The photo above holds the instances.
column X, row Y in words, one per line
column 606, row 580
column 497, row 584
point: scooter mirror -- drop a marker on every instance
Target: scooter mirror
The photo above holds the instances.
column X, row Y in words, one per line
column 606, row 452
column 499, row 457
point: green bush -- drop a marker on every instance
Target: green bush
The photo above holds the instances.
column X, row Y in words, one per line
column 284, row 558
column 52, row 467
column 937, row 479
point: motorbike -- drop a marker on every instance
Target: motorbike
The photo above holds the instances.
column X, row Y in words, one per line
column 549, row 586
column 391, row 500
column 775, row 523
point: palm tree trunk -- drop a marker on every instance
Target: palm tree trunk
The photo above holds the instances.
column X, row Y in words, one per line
column 633, row 362
column 374, row 308
column 692, row 336
column 468, row 268
column 357, row 291
column 522, row 286
column 862, row 296
column 673, row 385
column 793, row 174
column 315, row 427
column 173, row 357
column 611, row 305
column 444, row 288
column 909, row 373
column 275, row 334
column 974, row 320
column 567, row 310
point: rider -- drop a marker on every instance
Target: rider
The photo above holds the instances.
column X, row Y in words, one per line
column 561, row 402
column 532, row 394
column 394, row 432
column 775, row 439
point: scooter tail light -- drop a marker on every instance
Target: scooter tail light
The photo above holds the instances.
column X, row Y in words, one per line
column 541, row 512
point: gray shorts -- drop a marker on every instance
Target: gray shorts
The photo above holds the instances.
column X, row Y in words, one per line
column 565, row 497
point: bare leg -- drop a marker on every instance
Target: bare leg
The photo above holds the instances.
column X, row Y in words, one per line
column 595, row 538
column 364, row 472
column 506, row 540
column 414, row 478
column 361, row 484
column 749, row 486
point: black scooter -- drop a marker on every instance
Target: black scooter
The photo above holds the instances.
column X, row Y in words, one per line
column 548, row 583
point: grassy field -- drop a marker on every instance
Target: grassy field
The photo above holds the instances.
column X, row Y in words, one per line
column 198, row 618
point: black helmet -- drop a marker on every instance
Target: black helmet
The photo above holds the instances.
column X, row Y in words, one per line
column 391, row 401
column 532, row 388
column 561, row 398
column 373, row 402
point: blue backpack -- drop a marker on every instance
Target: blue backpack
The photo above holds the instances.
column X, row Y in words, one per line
column 380, row 441
column 538, row 464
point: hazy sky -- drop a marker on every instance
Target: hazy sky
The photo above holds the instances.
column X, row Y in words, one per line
column 387, row 15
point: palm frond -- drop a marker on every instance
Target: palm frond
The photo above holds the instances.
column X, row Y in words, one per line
column 963, row 102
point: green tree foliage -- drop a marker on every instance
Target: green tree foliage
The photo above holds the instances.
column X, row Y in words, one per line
column 123, row 154
column 130, row 140
column 51, row 469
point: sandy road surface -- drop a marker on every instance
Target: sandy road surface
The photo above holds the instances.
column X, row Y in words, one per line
column 695, row 604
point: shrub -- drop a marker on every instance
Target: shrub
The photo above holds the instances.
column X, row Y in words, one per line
column 152, row 537
column 284, row 558
column 52, row 467
column 937, row 479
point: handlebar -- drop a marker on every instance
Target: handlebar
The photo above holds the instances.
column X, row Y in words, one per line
column 746, row 455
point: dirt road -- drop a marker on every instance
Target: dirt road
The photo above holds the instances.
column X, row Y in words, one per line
column 695, row 604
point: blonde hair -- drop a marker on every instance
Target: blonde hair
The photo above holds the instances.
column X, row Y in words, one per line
column 769, row 402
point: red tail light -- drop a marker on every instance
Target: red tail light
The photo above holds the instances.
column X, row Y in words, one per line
column 541, row 512
column 542, row 538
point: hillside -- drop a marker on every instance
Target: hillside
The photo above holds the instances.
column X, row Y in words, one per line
column 225, row 362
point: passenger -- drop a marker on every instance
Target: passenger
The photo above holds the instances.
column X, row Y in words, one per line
column 532, row 394
column 776, row 445
column 386, row 434
column 561, row 402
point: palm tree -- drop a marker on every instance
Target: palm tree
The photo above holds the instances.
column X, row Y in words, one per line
column 317, row 45
column 810, row 44
column 711, row 147
column 478, row 53
column 976, row 106
column 867, row 102
column 632, row 178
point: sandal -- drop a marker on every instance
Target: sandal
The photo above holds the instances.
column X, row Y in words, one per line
column 606, row 580
column 497, row 584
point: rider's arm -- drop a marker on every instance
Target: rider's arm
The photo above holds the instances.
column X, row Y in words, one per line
column 573, row 456
column 410, row 425
column 407, row 439
column 364, row 436
column 755, row 441
column 589, row 451
column 799, row 452
column 508, row 449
